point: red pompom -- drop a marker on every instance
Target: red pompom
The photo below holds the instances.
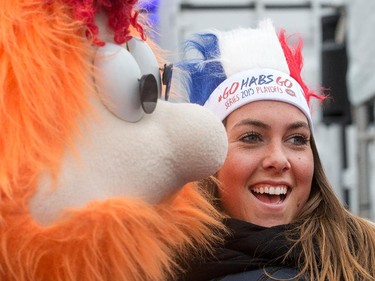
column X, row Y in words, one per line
column 294, row 59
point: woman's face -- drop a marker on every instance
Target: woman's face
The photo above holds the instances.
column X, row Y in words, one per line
column 266, row 177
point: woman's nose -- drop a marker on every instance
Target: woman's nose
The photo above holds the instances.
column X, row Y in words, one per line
column 275, row 158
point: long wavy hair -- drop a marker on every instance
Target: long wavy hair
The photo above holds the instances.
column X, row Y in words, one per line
column 345, row 242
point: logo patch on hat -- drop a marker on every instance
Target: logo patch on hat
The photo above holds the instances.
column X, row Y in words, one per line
column 254, row 85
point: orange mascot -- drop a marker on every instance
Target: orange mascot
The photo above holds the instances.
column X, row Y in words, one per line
column 95, row 164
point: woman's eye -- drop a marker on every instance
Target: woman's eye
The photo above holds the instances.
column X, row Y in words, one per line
column 299, row 140
column 251, row 137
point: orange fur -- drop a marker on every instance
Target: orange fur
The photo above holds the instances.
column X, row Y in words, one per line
column 43, row 77
column 44, row 71
column 117, row 239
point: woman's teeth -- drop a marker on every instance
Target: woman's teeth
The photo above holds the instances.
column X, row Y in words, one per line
column 271, row 190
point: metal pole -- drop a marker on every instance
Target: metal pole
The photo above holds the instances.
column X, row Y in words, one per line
column 362, row 120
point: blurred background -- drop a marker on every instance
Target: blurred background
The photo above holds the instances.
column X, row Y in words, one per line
column 339, row 55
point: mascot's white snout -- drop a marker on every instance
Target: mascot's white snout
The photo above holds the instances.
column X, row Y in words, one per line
column 123, row 152
column 149, row 159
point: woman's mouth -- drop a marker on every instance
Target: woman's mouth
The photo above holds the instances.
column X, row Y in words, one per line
column 270, row 194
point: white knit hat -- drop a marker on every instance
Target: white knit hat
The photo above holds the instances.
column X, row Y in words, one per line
column 240, row 66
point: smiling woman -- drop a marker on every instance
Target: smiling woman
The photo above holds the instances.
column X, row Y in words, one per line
column 283, row 216
column 271, row 188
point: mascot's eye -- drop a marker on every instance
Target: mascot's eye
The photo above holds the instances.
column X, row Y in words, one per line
column 148, row 85
column 148, row 64
column 147, row 88
column 129, row 80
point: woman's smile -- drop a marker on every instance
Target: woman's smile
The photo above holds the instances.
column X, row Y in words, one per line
column 270, row 194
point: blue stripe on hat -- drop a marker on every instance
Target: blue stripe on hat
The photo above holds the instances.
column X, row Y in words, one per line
column 206, row 73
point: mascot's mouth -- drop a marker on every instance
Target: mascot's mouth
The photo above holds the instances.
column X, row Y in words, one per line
column 270, row 194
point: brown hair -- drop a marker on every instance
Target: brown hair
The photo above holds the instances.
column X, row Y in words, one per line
column 345, row 242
